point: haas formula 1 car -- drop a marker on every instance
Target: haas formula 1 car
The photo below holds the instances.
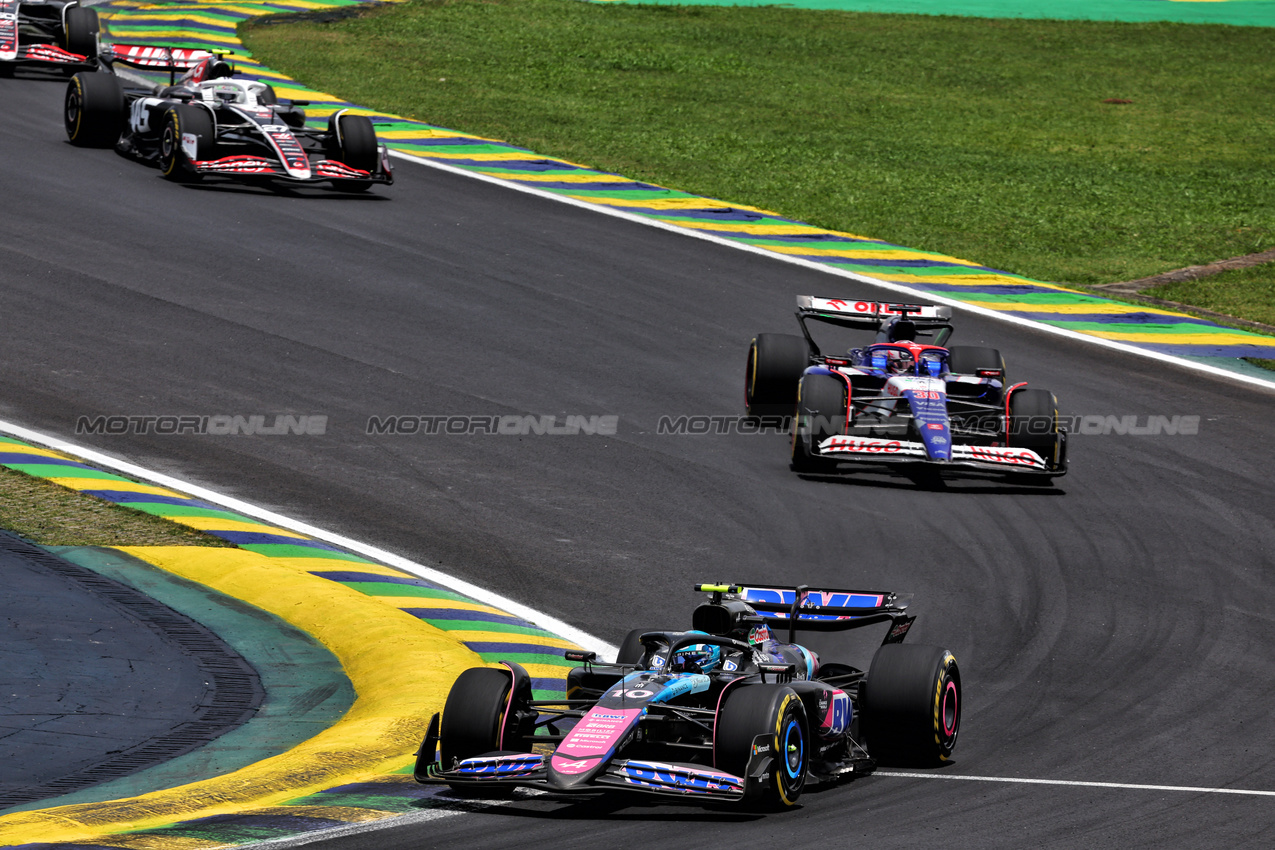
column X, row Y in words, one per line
column 725, row 712
column 210, row 124
column 904, row 399
column 50, row 33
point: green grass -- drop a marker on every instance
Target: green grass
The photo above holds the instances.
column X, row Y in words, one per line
column 985, row 139
column 53, row 515
column 1248, row 293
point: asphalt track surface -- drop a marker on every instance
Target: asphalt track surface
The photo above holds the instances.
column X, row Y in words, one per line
column 82, row 677
column 1115, row 628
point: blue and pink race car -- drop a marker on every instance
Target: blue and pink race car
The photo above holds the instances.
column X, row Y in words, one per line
column 725, row 712
column 906, row 400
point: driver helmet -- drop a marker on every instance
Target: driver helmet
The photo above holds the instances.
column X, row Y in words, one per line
column 899, row 361
column 698, row 658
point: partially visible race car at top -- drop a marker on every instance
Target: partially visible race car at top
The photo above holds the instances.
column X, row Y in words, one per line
column 48, row 33
column 906, row 399
column 210, row 124
column 724, row 712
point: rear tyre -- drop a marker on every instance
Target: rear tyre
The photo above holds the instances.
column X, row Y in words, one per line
column 94, row 110
column 910, row 705
column 354, row 143
column 775, row 364
column 775, row 711
column 972, row 359
column 475, row 721
column 1033, row 424
column 175, row 161
column 80, row 35
column 821, row 413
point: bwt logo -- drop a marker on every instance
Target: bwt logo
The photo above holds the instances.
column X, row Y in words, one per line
column 217, row 425
column 509, row 425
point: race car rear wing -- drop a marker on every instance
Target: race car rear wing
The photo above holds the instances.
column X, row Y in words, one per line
column 928, row 319
column 153, row 58
column 818, row 609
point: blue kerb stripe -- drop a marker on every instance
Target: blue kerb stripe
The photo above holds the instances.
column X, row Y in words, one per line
column 349, row 576
column 134, row 496
column 256, row 538
column 1133, row 319
column 496, row 646
column 466, row 614
column 27, row 459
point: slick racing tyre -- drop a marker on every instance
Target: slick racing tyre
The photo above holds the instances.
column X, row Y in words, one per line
column 475, row 719
column 821, row 413
column 80, row 36
column 974, row 360
column 94, row 110
column 775, row 364
column 180, row 124
column 1033, row 423
column 353, row 143
column 910, row 705
column 776, row 712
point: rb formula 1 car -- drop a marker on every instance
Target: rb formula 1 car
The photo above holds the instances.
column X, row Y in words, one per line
column 724, row 712
column 904, row 400
column 209, row 124
column 51, row 33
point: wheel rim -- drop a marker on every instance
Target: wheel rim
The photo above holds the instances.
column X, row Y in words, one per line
column 950, row 710
column 794, row 749
column 73, row 110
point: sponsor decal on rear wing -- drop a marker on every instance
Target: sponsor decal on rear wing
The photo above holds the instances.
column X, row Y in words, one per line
column 154, row 58
column 840, row 309
column 821, row 609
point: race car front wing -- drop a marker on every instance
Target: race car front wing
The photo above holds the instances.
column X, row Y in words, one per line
column 531, row 770
column 992, row 458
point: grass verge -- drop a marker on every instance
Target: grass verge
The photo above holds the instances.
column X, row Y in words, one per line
column 1071, row 151
column 1249, row 293
column 53, row 515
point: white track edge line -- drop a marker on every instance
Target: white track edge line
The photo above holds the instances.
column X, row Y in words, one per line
column 1080, row 783
column 487, row 597
column 861, row 278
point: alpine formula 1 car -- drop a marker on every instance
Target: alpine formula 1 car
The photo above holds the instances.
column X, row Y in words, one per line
column 905, row 399
column 50, row 33
column 724, row 712
column 210, row 124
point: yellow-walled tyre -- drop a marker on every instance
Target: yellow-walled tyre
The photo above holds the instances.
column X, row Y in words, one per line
column 910, row 705
column 776, row 712
column 94, row 110
column 176, row 160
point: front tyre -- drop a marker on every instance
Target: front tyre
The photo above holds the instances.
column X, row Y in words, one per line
column 1033, row 424
column 910, row 705
column 187, row 138
column 479, row 717
column 776, row 712
column 353, row 142
column 94, row 111
column 821, row 413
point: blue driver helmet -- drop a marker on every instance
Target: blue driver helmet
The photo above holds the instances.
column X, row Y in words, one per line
column 699, row 658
